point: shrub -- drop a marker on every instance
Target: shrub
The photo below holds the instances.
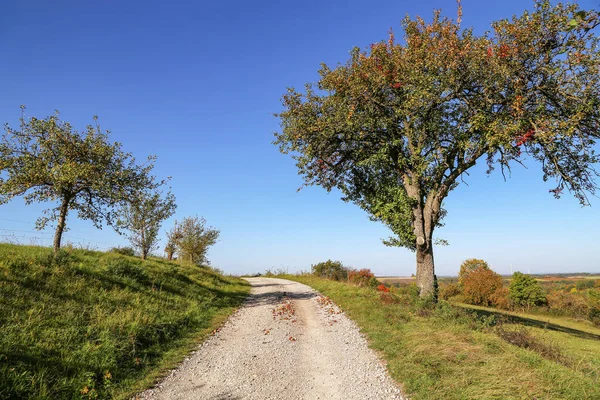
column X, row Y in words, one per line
column 449, row 290
column 525, row 291
column 331, row 270
column 585, row 284
column 469, row 266
column 363, row 277
column 594, row 306
column 567, row 303
column 383, row 288
column 480, row 284
column 126, row 251
column 500, row 298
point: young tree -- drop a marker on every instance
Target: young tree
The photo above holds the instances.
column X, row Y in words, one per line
column 173, row 237
column 397, row 126
column 143, row 216
column 525, row 291
column 47, row 160
column 194, row 239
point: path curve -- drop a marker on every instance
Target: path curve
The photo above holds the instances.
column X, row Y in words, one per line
column 286, row 342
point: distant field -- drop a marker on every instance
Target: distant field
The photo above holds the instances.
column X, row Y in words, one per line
column 393, row 280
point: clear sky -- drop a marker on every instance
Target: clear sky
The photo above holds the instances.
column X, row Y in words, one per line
column 197, row 82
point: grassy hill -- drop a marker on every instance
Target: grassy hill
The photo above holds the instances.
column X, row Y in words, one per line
column 88, row 324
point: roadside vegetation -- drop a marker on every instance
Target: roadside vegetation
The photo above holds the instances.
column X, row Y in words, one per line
column 445, row 351
column 559, row 297
column 85, row 324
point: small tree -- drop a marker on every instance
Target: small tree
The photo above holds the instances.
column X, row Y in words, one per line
column 194, row 239
column 173, row 237
column 480, row 285
column 469, row 266
column 46, row 160
column 525, row 291
column 398, row 125
column 143, row 216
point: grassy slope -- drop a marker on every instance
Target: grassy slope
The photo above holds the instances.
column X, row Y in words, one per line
column 540, row 319
column 446, row 355
column 97, row 325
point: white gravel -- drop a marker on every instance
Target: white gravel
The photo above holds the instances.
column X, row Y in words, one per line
column 286, row 342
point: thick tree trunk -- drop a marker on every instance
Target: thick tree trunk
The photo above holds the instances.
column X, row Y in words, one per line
column 425, row 270
column 60, row 227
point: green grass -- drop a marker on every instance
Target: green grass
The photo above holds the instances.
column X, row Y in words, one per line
column 447, row 353
column 100, row 325
column 552, row 322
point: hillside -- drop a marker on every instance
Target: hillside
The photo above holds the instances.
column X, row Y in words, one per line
column 87, row 324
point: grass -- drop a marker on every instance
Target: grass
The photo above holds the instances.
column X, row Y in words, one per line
column 445, row 352
column 88, row 324
column 550, row 322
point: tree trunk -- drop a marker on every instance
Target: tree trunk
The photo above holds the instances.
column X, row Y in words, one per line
column 425, row 270
column 144, row 249
column 60, row 227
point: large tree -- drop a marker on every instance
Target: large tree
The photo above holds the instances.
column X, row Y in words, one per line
column 143, row 215
column 397, row 126
column 47, row 160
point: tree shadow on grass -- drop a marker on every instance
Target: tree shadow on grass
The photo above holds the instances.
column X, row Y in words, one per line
column 535, row 323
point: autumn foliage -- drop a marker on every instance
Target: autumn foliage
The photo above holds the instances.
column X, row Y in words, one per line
column 480, row 286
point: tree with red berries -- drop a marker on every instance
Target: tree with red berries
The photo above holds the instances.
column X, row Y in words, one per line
column 397, row 126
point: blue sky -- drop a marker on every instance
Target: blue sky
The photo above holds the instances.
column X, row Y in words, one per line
column 197, row 83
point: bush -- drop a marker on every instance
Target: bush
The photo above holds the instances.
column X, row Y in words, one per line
column 363, row 277
column 585, row 284
column 566, row 303
column 594, row 306
column 469, row 266
column 525, row 291
column 449, row 290
column 126, row 251
column 500, row 298
column 480, row 285
column 331, row 270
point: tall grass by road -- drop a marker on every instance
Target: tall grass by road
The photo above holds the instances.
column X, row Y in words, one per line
column 91, row 325
column 445, row 352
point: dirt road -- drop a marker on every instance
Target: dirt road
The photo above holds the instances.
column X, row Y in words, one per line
column 287, row 342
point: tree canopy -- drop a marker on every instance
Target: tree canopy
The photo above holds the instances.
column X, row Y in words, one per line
column 397, row 126
column 191, row 239
column 47, row 160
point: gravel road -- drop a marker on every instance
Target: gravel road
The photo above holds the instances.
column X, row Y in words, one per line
column 286, row 342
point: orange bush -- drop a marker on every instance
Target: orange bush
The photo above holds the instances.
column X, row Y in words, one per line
column 500, row 298
column 383, row 288
column 479, row 286
column 362, row 277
